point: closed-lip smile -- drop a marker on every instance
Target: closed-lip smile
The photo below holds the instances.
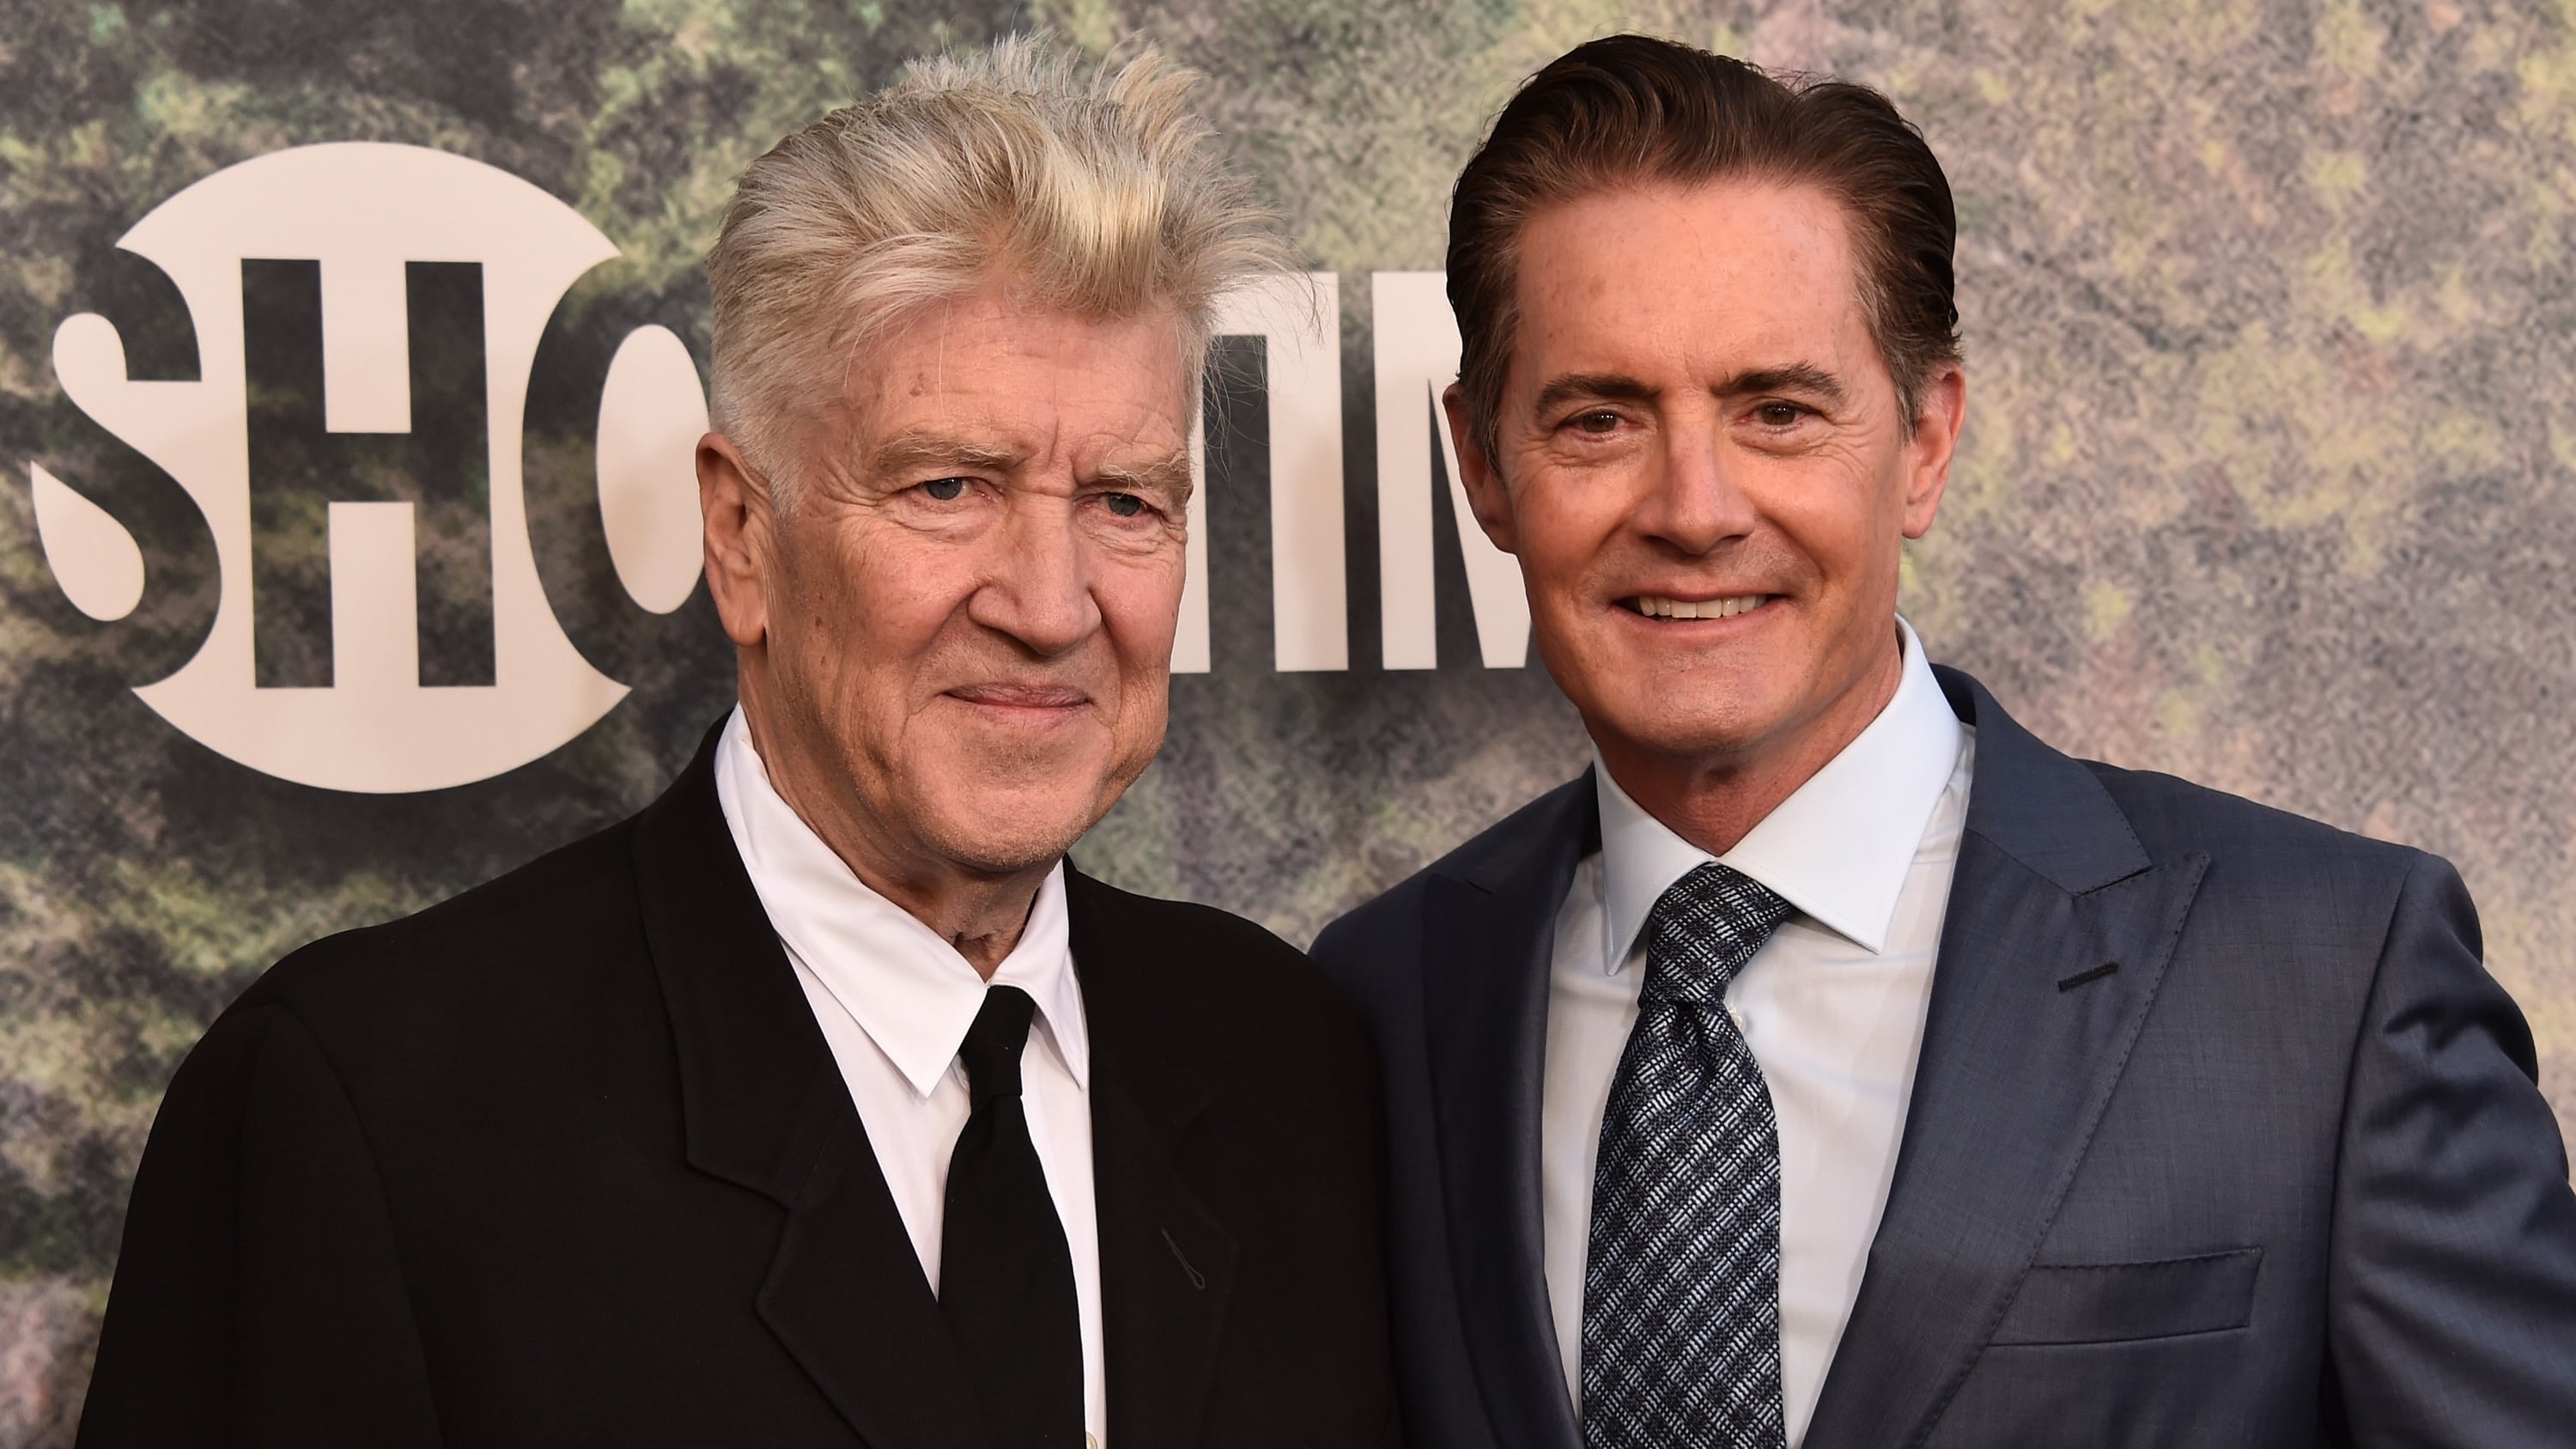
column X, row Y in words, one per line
column 1021, row 696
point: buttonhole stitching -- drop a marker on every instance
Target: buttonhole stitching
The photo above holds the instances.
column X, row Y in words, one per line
column 1198, row 1280
column 2081, row 978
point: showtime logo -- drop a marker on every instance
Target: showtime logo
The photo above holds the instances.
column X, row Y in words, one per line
column 366, row 246
column 367, row 318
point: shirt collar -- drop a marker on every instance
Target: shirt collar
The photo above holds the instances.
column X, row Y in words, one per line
column 1839, row 848
column 907, row 988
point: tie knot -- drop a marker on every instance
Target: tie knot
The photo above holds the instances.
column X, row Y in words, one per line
column 1704, row 929
column 991, row 1050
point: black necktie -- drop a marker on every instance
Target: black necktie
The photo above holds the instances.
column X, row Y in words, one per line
column 1005, row 1275
column 1681, row 1290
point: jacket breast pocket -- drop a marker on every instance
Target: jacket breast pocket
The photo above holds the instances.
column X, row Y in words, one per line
column 2068, row 1303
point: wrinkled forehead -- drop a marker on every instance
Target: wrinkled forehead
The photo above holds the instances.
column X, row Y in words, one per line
column 997, row 378
column 998, row 346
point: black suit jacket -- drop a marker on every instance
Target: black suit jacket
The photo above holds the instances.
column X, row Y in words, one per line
column 2221, row 1136
column 567, row 1161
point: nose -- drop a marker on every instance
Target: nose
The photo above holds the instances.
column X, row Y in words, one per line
column 1695, row 504
column 1037, row 585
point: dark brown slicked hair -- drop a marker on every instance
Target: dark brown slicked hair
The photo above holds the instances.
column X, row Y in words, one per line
column 1631, row 109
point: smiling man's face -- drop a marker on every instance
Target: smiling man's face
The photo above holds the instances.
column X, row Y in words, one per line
column 956, row 641
column 1703, row 467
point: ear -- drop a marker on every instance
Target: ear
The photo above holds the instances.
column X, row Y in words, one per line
column 1944, row 407
column 741, row 529
column 1486, row 496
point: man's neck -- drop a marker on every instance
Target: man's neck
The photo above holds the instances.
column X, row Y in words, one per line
column 1714, row 799
column 981, row 915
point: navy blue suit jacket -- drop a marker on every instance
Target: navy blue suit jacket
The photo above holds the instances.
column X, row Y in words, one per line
column 2221, row 1136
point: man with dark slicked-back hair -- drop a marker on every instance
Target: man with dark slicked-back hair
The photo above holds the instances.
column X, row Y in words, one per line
column 1834, row 1064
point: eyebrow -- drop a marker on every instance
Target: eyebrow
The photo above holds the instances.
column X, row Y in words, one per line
column 1169, row 476
column 910, row 452
column 1567, row 387
column 1800, row 377
column 926, row 452
column 1795, row 377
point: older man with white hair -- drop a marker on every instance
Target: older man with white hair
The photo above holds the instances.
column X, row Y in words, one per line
column 823, row 1103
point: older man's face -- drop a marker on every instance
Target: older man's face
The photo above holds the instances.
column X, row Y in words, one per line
column 961, row 627
column 1703, row 468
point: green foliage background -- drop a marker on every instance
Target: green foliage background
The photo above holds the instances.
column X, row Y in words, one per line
column 2267, row 479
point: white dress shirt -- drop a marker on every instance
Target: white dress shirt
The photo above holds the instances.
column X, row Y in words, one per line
column 894, row 1000
column 1832, row 1005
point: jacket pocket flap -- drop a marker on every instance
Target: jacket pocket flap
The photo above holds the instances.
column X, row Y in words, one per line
column 2117, row 1302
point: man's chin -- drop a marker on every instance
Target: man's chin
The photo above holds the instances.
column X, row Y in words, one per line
column 1005, row 811
column 1691, row 727
column 1003, row 833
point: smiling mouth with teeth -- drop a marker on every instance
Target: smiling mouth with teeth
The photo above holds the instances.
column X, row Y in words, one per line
column 1654, row 607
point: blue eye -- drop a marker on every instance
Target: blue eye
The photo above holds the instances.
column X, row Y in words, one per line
column 946, row 490
column 1125, row 505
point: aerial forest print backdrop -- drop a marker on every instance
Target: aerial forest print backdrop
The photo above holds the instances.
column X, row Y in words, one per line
column 2269, row 477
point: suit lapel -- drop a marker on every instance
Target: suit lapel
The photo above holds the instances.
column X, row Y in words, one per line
column 765, row 1108
column 847, row 1297
column 1488, row 939
column 1166, row 1266
column 2021, row 1051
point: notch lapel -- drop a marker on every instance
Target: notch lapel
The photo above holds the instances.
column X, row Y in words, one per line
column 2014, row 1075
column 1488, row 940
column 765, row 1108
column 847, row 1296
column 1167, row 1266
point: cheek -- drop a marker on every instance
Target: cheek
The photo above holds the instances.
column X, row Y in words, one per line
column 811, row 594
column 1143, row 653
column 872, row 604
column 1845, row 529
column 1140, row 615
column 1564, row 533
column 1138, row 591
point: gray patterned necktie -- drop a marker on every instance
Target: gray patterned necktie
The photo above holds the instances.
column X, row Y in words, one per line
column 1681, row 1286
